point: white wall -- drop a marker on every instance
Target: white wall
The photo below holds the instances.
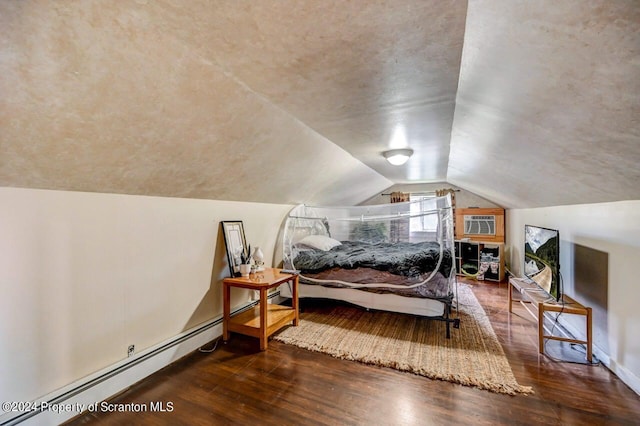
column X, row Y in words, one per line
column 84, row 275
column 600, row 259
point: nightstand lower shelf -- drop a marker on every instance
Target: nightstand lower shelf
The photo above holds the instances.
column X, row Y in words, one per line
column 248, row 322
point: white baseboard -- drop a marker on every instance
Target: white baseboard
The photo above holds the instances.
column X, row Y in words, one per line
column 623, row 374
column 89, row 393
column 626, row 376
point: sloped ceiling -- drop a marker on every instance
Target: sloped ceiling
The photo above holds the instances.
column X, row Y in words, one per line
column 548, row 105
column 525, row 103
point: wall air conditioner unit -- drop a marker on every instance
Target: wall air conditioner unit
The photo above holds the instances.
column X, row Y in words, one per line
column 480, row 225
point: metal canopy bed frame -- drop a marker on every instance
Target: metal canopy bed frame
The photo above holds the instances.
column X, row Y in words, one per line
column 395, row 257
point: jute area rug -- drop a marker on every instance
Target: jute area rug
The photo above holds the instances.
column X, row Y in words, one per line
column 471, row 357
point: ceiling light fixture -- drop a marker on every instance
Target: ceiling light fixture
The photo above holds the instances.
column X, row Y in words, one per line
column 398, row 157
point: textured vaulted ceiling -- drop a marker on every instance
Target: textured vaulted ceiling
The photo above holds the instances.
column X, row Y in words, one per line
column 528, row 103
column 548, row 105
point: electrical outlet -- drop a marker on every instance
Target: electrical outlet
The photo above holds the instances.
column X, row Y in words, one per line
column 131, row 350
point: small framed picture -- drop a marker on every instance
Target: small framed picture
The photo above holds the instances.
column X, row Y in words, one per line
column 236, row 243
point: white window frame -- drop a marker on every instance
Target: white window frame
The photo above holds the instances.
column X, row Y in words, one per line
column 426, row 223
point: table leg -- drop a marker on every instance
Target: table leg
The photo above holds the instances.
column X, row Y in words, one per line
column 589, row 336
column 226, row 302
column 294, row 300
column 263, row 319
column 541, row 327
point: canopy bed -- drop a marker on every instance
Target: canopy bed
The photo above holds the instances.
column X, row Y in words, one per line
column 396, row 257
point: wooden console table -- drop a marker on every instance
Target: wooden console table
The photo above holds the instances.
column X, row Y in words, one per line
column 532, row 295
column 263, row 319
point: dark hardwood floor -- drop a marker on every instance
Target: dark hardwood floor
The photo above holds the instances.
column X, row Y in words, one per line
column 238, row 384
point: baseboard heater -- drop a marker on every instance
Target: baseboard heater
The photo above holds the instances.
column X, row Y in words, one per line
column 83, row 386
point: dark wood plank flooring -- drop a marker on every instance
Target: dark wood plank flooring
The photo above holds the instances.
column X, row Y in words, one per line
column 238, row 384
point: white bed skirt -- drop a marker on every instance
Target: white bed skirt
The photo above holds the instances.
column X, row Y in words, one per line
column 384, row 302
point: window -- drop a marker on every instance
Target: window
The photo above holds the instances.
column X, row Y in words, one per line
column 425, row 223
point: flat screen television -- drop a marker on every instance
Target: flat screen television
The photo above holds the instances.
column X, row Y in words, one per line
column 542, row 258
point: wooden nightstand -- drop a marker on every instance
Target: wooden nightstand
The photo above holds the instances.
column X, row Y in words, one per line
column 263, row 319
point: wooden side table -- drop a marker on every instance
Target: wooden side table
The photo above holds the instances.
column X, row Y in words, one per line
column 532, row 295
column 263, row 319
column 568, row 306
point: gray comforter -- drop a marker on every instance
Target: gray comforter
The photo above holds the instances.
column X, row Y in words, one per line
column 407, row 259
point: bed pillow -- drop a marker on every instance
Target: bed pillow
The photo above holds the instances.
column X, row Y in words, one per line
column 319, row 242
